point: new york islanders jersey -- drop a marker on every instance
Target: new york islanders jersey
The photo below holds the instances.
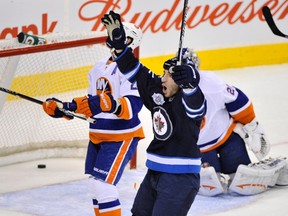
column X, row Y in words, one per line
column 226, row 105
column 176, row 120
column 110, row 127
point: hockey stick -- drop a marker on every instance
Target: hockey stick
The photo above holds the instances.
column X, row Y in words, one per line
column 182, row 32
column 270, row 21
column 34, row 100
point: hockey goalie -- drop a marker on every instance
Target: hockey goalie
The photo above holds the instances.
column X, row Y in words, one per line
column 231, row 129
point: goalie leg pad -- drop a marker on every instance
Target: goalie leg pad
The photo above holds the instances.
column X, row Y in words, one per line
column 276, row 164
column 257, row 177
column 250, row 181
column 283, row 175
column 210, row 184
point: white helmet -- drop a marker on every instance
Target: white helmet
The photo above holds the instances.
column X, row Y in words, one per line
column 134, row 33
column 190, row 53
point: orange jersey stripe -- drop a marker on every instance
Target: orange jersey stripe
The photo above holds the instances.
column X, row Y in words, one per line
column 118, row 161
column 223, row 140
column 245, row 116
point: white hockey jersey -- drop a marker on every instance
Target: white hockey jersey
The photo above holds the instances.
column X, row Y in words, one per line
column 226, row 105
column 110, row 127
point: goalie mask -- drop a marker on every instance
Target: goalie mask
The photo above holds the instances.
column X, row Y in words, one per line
column 191, row 54
column 173, row 62
column 188, row 57
column 134, row 33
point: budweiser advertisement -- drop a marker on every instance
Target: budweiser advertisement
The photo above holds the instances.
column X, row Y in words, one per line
column 210, row 24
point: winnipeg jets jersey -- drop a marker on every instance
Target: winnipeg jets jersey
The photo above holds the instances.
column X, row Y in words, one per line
column 226, row 105
column 110, row 127
column 176, row 120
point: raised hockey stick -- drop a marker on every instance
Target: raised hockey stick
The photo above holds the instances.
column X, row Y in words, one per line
column 270, row 21
column 182, row 32
column 34, row 100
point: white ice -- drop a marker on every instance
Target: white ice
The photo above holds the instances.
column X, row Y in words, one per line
column 61, row 189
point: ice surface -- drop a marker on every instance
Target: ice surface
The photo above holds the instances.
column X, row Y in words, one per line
column 61, row 189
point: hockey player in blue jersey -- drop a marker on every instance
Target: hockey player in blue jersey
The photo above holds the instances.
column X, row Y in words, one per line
column 115, row 103
column 229, row 130
column 177, row 107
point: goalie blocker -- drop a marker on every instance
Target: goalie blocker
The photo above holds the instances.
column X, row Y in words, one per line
column 248, row 180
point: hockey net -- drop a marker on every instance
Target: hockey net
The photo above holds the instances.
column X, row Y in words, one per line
column 57, row 69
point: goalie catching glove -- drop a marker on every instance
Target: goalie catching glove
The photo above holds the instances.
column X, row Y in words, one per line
column 93, row 105
column 254, row 137
column 116, row 34
column 55, row 108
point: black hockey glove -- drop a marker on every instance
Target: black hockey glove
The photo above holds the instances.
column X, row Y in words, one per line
column 186, row 75
column 116, row 34
column 170, row 63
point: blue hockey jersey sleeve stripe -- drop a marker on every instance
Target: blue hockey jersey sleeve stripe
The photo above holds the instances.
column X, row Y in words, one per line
column 130, row 75
column 194, row 113
column 124, row 51
column 189, row 91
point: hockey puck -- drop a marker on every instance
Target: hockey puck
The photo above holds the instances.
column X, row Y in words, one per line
column 41, row 166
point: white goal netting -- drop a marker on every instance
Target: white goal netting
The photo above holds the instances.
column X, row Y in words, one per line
column 58, row 69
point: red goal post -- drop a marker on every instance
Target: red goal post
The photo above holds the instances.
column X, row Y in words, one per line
column 56, row 69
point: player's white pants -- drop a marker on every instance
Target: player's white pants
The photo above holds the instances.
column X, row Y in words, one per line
column 105, row 198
